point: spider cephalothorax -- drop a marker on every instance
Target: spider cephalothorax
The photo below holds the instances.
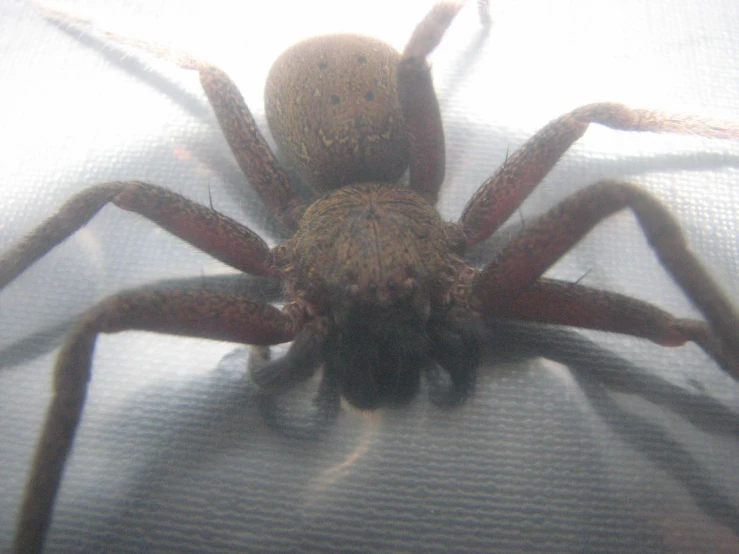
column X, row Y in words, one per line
column 377, row 292
column 377, row 263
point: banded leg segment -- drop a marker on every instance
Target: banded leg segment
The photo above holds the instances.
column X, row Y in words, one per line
column 418, row 99
column 222, row 237
column 534, row 250
column 198, row 314
column 501, row 194
column 252, row 153
column 562, row 303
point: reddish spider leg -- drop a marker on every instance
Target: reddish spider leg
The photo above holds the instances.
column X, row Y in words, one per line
column 510, row 284
column 415, row 90
column 249, row 148
column 199, row 314
column 564, row 303
column 579, row 306
column 214, row 233
column 501, row 194
column 418, row 99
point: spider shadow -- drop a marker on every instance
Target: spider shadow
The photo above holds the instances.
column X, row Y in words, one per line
column 600, row 374
column 214, row 422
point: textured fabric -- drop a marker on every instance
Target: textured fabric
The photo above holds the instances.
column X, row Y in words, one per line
column 574, row 442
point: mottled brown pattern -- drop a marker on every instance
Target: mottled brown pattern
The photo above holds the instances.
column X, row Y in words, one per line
column 374, row 240
column 227, row 240
column 332, row 107
column 564, row 303
column 203, row 314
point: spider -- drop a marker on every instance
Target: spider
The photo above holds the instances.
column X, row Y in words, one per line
column 422, row 312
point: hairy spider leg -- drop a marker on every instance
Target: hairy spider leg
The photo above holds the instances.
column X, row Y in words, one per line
column 255, row 158
column 248, row 145
column 196, row 313
column 509, row 284
column 222, row 237
column 572, row 304
column 253, row 154
column 418, row 99
column 504, row 191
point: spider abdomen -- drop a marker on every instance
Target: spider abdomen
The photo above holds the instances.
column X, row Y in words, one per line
column 332, row 106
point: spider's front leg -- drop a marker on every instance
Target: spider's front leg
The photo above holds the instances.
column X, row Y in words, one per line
column 511, row 285
column 206, row 229
column 198, row 314
column 501, row 194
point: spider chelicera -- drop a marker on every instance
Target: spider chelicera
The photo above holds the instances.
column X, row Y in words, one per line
column 377, row 285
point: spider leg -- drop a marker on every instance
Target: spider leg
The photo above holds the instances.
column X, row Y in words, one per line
column 456, row 338
column 501, row 194
column 198, row 314
column 216, row 234
column 515, row 271
column 418, row 99
column 299, row 363
column 327, row 404
column 563, row 303
column 252, row 153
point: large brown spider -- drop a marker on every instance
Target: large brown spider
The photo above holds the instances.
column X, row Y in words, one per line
column 457, row 364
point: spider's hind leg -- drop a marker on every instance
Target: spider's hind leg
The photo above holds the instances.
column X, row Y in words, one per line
column 248, row 145
column 418, row 98
column 504, row 191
